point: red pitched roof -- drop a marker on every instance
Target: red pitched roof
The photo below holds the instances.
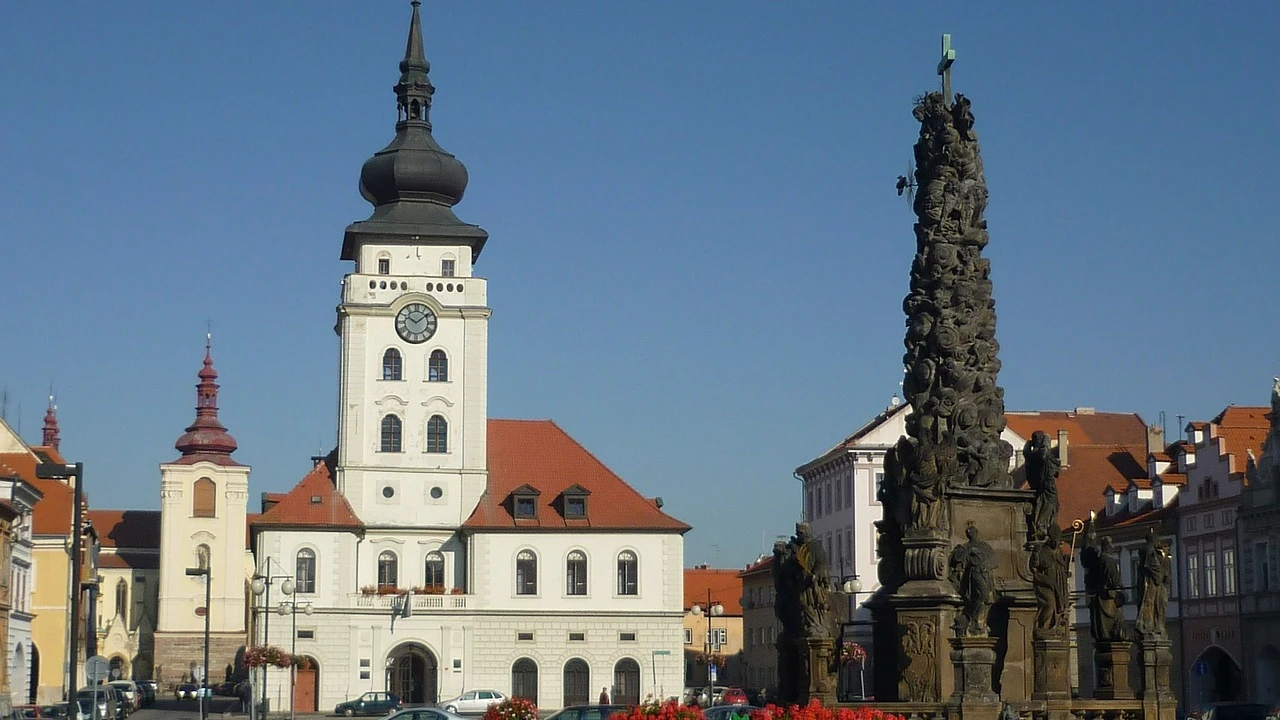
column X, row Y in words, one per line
column 52, row 514
column 1103, row 450
column 1242, row 428
column 314, row 502
column 762, row 565
column 540, row 454
column 724, row 586
column 127, row 528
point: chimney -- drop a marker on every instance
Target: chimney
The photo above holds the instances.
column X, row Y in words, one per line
column 1155, row 439
column 1063, row 459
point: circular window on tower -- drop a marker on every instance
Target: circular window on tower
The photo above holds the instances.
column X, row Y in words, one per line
column 388, row 491
column 437, row 493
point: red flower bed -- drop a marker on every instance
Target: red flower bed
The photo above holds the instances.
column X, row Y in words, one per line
column 512, row 709
column 670, row 710
column 815, row 711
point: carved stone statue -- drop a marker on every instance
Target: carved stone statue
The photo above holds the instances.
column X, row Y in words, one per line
column 801, row 577
column 1155, row 579
column 1042, row 466
column 1050, row 578
column 972, row 572
column 1103, row 584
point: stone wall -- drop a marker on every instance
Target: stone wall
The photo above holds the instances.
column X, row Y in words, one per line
column 177, row 653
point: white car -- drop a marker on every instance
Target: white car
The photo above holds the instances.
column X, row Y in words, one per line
column 473, row 702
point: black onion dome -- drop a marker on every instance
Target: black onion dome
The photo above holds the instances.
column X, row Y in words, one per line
column 413, row 167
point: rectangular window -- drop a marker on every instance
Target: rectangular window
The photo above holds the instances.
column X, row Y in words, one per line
column 1211, row 574
column 524, row 636
column 827, row 504
column 688, row 636
column 1193, row 576
column 575, row 507
column 364, row 674
column 1229, row 571
column 839, row 495
column 1261, row 567
column 364, row 662
column 306, row 634
column 1208, row 521
column 577, row 637
column 879, row 484
column 384, row 266
column 526, row 507
column 627, row 637
column 808, row 504
column 1191, row 523
column 446, row 268
column 848, row 491
column 722, row 637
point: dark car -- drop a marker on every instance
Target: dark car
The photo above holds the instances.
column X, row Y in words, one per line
column 730, row 712
column 185, row 691
column 1239, row 711
column 588, row 712
column 370, row 703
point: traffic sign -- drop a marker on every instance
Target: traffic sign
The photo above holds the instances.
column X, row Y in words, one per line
column 96, row 669
column 713, row 673
column 1200, row 667
column 197, row 673
column 661, row 652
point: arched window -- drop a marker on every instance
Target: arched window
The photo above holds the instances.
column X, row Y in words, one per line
column 202, row 557
column 526, row 573
column 524, row 680
column 626, row 682
column 577, row 682
column 391, row 433
column 435, row 571
column 204, row 498
column 438, row 367
column 122, row 598
column 576, row 573
column 437, row 434
column 392, row 365
column 388, row 576
column 628, row 580
column 304, row 576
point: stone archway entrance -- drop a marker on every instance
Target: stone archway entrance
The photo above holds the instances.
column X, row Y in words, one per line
column 119, row 668
column 35, row 673
column 1215, row 677
column 411, row 674
column 307, row 686
column 626, row 682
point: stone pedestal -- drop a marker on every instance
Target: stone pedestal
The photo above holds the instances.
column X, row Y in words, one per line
column 1053, row 669
column 974, row 659
column 822, row 682
column 1158, row 701
column 1112, row 660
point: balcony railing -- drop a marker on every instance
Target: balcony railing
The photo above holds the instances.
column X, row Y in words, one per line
column 420, row 602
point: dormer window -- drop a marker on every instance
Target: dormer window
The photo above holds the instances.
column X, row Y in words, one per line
column 524, row 502
column 575, row 502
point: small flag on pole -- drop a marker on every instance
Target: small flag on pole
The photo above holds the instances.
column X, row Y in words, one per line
column 401, row 607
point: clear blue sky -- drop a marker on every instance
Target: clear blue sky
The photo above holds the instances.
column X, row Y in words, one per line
column 697, row 259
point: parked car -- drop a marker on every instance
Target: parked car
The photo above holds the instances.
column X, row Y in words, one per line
column 185, row 691
column 730, row 712
column 96, row 694
column 130, row 690
column 425, row 714
column 148, row 689
column 124, row 706
column 21, row 712
column 84, row 709
column 55, row 711
column 588, row 712
column 733, row 696
column 472, row 702
column 370, row 703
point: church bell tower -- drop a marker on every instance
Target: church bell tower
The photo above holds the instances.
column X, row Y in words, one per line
column 413, row 324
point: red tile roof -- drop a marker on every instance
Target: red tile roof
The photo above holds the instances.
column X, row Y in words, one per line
column 724, row 586
column 764, row 564
column 1104, row 450
column 52, row 514
column 540, row 454
column 314, row 502
column 127, row 528
column 1242, row 428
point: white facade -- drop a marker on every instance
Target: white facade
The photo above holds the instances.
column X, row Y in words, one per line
column 23, row 497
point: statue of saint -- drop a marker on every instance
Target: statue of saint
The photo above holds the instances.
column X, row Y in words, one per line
column 972, row 567
column 801, row 577
column 1043, row 467
column 1050, row 571
column 1155, row 579
column 1104, row 587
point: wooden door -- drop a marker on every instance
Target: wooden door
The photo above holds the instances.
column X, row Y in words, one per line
column 307, row 683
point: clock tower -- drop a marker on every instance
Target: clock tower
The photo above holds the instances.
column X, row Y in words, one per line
column 413, row 323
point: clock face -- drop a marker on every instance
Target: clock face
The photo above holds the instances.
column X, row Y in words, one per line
column 416, row 323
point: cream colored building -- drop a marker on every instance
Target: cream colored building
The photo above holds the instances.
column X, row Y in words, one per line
column 712, row 636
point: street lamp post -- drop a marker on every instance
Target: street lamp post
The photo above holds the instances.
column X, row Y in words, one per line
column 713, row 610
column 292, row 608
column 204, row 679
column 50, row 471
column 851, row 587
column 262, row 584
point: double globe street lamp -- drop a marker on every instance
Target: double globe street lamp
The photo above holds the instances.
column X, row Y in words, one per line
column 261, row 585
column 293, row 608
column 712, row 610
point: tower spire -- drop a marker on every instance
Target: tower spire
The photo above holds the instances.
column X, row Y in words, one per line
column 414, row 90
column 206, row 438
column 50, row 437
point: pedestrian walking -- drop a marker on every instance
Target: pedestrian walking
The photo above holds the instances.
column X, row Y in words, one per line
column 604, row 695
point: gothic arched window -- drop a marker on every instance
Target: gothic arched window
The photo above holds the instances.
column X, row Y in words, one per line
column 122, row 598
column 438, row 367
column 437, row 434
column 304, row 576
column 392, row 365
column 391, row 434
column 204, row 498
column 388, row 570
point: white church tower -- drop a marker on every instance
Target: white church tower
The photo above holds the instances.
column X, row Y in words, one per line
column 414, row 323
column 202, row 525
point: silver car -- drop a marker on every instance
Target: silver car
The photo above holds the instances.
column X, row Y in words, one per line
column 473, row 702
column 424, row 714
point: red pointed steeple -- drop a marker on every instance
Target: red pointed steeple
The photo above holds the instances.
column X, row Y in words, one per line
column 51, row 438
column 206, row 438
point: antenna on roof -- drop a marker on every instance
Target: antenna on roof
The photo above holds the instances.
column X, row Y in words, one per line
column 4, row 404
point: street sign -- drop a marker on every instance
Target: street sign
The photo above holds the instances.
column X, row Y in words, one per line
column 197, row 673
column 661, row 652
column 1200, row 667
column 96, row 669
column 713, row 673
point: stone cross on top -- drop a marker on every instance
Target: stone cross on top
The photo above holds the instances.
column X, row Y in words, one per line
column 944, row 68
